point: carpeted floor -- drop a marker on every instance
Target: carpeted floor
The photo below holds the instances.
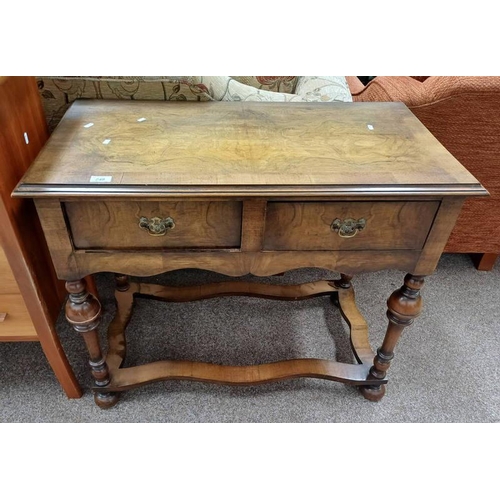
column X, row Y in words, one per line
column 446, row 367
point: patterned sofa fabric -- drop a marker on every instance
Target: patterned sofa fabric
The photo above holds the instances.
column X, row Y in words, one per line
column 307, row 89
column 58, row 93
column 273, row 83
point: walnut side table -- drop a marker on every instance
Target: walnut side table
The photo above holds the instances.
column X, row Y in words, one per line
column 141, row 188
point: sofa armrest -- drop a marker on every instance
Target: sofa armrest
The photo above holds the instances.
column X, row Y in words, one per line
column 393, row 88
column 355, row 85
column 421, row 93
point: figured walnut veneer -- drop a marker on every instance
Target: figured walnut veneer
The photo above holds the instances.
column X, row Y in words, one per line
column 239, row 148
column 387, row 225
column 115, row 224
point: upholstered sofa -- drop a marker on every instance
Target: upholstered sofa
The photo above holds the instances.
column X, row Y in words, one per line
column 59, row 92
column 462, row 112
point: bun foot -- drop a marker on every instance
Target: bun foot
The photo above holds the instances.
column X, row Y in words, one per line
column 106, row 400
column 372, row 392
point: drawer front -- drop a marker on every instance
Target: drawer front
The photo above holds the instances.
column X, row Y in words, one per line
column 149, row 224
column 8, row 283
column 15, row 321
column 348, row 225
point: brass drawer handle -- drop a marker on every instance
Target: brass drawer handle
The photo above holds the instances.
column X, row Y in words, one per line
column 348, row 228
column 156, row 226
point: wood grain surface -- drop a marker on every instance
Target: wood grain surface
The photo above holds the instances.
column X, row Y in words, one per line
column 17, row 325
column 232, row 148
column 233, row 288
column 253, row 224
column 15, row 321
column 23, row 132
column 115, row 224
column 135, row 376
column 130, row 377
column 357, row 325
column 443, row 224
column 307, row 226
column 8, row 284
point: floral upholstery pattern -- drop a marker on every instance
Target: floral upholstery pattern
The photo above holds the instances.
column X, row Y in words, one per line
column 58, row 93
column 274, row 83
column 323, row 89
column 308, row 89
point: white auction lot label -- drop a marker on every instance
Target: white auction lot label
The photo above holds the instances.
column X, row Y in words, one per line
column 101, row 178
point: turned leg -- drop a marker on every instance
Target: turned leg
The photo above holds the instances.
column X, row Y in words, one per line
column 404, row 305
column 116, row 338
column 83, row 312
column 343, row 282
column 121, row 282
column 91, row 286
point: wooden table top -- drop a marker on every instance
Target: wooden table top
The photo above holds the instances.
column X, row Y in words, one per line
column 127, row 148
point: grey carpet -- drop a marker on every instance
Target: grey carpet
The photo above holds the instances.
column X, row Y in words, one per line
column 446, row 367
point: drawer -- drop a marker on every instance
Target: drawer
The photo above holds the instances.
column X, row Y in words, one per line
column 348, row 225
column 148, row 224
column 16, row 324
column 8, row 283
